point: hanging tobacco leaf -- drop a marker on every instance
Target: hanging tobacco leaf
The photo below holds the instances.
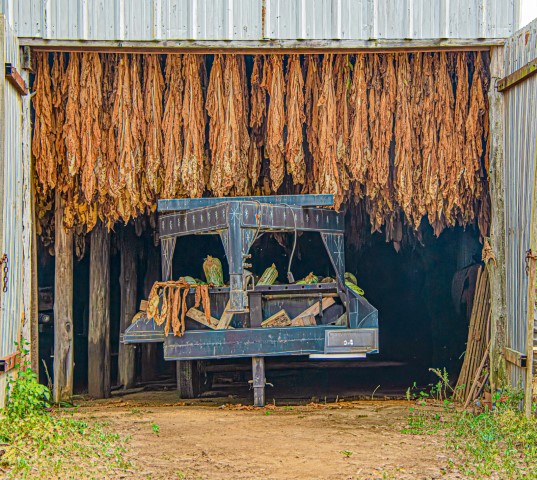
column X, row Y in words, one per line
column 294, row 151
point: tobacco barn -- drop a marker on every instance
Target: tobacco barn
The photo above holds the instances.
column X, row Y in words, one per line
column 403, row 128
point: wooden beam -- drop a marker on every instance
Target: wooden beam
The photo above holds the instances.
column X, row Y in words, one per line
column 150, row 351
column 260, row 46
column 128, row 283
column 523, row 73
column 515, row 358
column 14, row 77
column 496, row 270
column 63, row 308
column 99, row 314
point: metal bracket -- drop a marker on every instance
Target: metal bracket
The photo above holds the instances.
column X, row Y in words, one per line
column 15, row 79
column 8, row 362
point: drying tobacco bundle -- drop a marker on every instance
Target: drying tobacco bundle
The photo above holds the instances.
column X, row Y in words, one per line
column 360, row 143
column 444, row 114
column 406, row 135
column 167, row 304
column 71, row 128
column 312, row 93
column 154, row 145
column 90, row 105
column 228, row 136
column 192, row 165
column 343, row 84
column 403, row 164
column 258, row 114
column 294, row 151
column 429, row 138
column 274, row 82
column 44, row 140
column 325, row 166
column 172, row 126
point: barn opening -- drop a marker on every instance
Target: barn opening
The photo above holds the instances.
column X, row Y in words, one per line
column 425, row 123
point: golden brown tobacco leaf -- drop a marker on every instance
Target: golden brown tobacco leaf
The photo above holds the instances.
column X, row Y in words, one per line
column 403, row 165
column 172, row 127
column 44, row 140
column 228, row 135
column 71, row 128
column 342, row 78
column 294, row 150
column 154, row 145
column 274, row 145
column 192, row 166
column 325, row 164
column 90, row 104
column 444, row 114
column 258, row 115
column 360, row 145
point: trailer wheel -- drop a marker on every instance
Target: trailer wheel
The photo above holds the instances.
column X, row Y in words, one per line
column 188, row 378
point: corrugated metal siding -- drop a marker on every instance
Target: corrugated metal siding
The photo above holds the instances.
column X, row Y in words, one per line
column 147, row 20
column 520, row 151
column 12, row 302
column 143, row 20
column 389, row 19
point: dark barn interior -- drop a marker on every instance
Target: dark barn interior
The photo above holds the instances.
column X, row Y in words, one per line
column 421, row 324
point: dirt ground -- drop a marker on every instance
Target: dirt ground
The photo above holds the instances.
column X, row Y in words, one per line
column 215, row 440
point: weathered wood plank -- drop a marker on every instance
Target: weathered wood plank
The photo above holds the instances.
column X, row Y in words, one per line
column 99, row 314
column 225, row 319
column 279, row 319
column 128, row 283
column 496, row 269
column 199, row 316
column 315, row 310
column 63, row 309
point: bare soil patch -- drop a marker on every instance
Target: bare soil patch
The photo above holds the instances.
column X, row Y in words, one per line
column 213, row 440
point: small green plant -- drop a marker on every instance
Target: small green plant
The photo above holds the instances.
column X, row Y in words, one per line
column 347, row 453
column 38, row 438
column 25, row 395
column 155, row 428
column 267, row 412
column 497, row 443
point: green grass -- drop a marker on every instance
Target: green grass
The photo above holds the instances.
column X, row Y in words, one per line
column 37, row 441
column 499, row 443
column 56, row 445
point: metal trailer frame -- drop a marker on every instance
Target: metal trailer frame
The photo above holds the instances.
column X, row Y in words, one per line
column 238, row 221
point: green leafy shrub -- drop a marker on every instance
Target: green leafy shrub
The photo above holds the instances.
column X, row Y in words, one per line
column 44, row 442
column 25, row 395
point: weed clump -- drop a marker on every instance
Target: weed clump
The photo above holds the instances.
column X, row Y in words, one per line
column 497, row 442
column 40, row 442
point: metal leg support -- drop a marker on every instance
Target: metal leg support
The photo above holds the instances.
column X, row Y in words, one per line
column 259, row 380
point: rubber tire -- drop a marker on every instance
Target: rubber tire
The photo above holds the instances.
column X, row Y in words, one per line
column 188, row 379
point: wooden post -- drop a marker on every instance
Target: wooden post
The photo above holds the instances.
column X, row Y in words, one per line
column 497, row 275
column 150, row 350
column 63, row 309
column 258, row 380
column 99, row 314
column 128, row 307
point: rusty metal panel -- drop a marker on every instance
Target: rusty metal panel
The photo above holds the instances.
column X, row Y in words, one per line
column 520, row 158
